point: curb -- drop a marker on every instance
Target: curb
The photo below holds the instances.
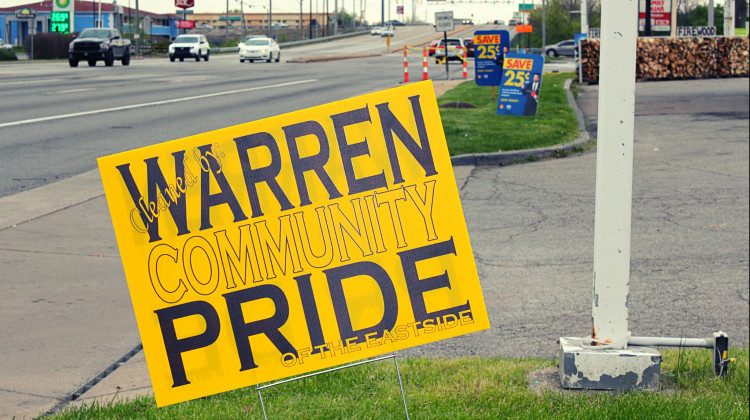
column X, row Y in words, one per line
column 509, row 158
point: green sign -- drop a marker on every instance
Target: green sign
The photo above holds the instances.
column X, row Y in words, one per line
column 231, row 18
column 525, row 7
column 60, row 22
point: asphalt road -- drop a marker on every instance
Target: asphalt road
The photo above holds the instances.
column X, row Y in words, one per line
column 56, row 120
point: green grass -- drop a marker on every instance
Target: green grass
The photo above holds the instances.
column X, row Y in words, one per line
column 463, row 388
column 481, row 130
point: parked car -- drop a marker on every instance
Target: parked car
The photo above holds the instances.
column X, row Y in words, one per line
column 431, row 48
column 566, row 48
column 4, row 46
column 189, row 46
column 387, row 31
column 396, row 23
column 455, row 49
column 95, row 44
column 203, row 26
column 259, row 48
column 469, row 44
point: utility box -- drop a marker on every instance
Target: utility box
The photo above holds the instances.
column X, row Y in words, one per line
column 587, row 367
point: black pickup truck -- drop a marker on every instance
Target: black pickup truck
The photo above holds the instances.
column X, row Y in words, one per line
column 99, row 44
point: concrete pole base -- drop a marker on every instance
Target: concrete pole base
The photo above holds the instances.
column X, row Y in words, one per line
column 634, row 368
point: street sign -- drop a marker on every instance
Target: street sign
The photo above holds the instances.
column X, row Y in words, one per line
column 184, row 4
column 488, row 56
column 524, row 29
column 295, row 243
column 444, row 21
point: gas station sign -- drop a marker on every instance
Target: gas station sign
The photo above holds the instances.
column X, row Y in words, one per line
column 60, row 22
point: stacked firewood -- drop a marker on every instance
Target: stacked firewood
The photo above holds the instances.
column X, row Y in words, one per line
column 677, row 58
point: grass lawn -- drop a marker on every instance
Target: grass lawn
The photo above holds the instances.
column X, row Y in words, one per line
column 463, row 388
column 481, row 130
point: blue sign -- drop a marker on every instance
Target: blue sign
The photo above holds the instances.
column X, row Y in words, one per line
column 521, row 84
column 489, row 50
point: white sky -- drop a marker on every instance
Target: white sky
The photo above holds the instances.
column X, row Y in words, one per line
column 482, row 11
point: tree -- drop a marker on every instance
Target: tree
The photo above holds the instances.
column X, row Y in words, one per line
column 561, row 23
column 698, row 16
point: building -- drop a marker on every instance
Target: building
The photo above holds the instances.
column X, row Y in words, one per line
column 16, row 22
column 256, row 20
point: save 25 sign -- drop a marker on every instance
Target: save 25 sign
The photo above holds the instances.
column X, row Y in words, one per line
column 488, row 56
column 521, row 84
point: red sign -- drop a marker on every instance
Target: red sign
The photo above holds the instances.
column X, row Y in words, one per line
column 523, row 29
column 399, row 10
column 185, row 24
column 184, row 4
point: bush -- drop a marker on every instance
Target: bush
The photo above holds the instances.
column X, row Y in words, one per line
column 161, row 47
column 49, row 45
column 7, row 55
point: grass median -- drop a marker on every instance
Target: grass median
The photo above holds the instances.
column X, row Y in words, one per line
column 464, row 388
column 481, row 130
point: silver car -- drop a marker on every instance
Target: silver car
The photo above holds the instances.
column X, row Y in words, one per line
column 259, row 48
column 566, row 48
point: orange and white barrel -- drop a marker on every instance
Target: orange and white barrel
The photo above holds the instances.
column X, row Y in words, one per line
column 406, row 67
column 465, row 62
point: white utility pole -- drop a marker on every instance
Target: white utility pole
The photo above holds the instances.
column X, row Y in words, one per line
column 584, row 17
column 728, row 17
column 614, row 172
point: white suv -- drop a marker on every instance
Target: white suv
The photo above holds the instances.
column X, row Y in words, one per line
column 455, row 49
column 189, row 46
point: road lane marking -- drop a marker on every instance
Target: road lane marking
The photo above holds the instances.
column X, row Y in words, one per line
column 25, row 82
column 143, row 105
column 70, row 91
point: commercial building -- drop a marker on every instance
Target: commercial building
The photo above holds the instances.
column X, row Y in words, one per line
column 16, row 23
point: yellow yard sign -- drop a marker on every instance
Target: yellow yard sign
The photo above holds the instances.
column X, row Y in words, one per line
column 294, row 243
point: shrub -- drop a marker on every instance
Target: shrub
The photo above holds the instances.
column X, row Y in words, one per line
column 7, row 55
column 160, row 47
column 49, row 45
